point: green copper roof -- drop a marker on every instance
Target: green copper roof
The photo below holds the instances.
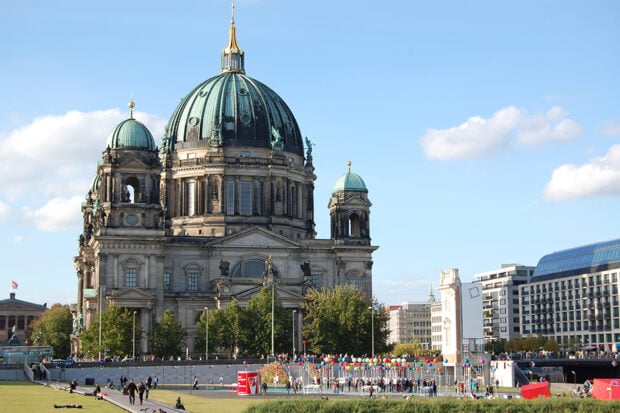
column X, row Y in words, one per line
column 131, row 134
column 233, row 110
column 350, row 182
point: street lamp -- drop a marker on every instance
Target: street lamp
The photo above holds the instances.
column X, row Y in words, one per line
column 133, row 351
column 100, row 307
column 294, row 312
column 372, row 324
column 206, row 333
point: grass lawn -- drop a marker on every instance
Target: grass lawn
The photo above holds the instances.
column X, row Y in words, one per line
column 23, row 396
column 199, row 404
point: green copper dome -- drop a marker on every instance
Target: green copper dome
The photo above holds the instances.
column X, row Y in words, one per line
column 350, row 182
column 131, row 134
column 233, row 110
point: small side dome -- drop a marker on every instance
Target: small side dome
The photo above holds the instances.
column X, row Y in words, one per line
column 94, row 185
column 131, row 134
column 350, row 182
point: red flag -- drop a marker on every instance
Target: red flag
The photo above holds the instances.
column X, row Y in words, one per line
column 14, row 284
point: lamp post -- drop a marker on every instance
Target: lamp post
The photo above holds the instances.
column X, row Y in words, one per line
column 294, row 312
column 206, row 333
column 100, row 304
column 133, row 351
column 372, row 327
column 273, row 300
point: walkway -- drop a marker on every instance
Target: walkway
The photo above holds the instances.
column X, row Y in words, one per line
column 119, row 399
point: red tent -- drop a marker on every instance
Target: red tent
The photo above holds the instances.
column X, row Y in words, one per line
column 536, row 390
column 606, row 389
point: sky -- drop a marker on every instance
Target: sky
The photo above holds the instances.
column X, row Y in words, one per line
column 487, row 132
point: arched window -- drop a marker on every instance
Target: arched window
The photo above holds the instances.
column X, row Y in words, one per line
column 131, row 190
column 354, row 229
column 131, row 270
column 250, row 268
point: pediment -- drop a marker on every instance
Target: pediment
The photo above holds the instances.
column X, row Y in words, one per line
column 131, row 294
column 253, row 237
column 133, row 163
column 356, row 200
column 282, row 293
column 19, row 305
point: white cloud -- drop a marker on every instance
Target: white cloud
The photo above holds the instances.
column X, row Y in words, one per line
column 611, row 129
column 57, row 214
column 599, row 177
column 49, row 163
column 4, row 211
column 508, row 126
column 551, row 126
column 476, row 137
column 18, row 239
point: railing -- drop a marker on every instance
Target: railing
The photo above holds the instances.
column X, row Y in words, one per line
column 28, row 372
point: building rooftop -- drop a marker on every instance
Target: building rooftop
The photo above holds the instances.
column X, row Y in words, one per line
column 585, row 259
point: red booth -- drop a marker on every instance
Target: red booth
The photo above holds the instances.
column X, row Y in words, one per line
column 606, row 389
column 248, row 383
column 536, row 390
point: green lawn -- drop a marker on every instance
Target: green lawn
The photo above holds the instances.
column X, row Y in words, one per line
column 23, row 396
column 198, row 404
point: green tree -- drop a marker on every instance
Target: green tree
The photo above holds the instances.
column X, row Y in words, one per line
column 255, row 325
column 53, row 328
column 116, row 333
column 224, row 331
column 495, row 346
column 341, row 320
column 552, row 345
column 409, row 349
column 167, row 336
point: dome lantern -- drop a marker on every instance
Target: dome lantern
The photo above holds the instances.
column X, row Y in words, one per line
column 232, row 55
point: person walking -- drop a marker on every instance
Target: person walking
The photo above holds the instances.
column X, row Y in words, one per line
column 131, row 390
column 141, row 389
column 195, row 386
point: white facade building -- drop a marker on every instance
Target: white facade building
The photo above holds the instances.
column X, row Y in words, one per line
column 500, row 300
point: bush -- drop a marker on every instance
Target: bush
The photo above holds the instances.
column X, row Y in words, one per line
column 440, row 405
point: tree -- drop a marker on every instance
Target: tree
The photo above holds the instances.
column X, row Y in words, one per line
column 116, row 333
column 552, row 345
column 341, row 320
column 495, row 346
column 255, row 326
column 53, row 328
column 224, row 331
column 408, row 349
column 167, row 336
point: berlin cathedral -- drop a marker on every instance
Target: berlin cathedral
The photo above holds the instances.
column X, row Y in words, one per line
column 197, row 221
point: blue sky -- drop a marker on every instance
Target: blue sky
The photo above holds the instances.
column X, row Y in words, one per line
column 487, row 132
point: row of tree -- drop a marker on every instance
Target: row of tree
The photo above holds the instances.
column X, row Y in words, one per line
column 339, row 320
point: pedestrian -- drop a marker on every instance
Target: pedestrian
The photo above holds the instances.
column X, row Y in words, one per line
column 141, row 390
column 156, row 382
column 178, row 404
column 195, row 387
column 146, row 393
column 131, row 390
column 264, row 387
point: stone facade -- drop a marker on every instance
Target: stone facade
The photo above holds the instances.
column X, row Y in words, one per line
column 192, row 224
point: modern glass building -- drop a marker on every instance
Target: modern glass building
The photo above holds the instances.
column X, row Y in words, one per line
column 573, row 297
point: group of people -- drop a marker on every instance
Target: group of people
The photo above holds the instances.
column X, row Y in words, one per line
column 132, row 388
